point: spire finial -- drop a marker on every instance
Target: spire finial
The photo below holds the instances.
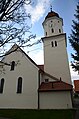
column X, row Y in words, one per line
column 51, row 7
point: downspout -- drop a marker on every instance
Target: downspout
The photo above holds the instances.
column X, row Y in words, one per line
column 72, row 98
column 38, row 89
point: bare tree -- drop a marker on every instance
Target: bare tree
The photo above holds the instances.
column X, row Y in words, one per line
column 13, row 24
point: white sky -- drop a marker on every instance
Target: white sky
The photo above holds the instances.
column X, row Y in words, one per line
column 38, row 11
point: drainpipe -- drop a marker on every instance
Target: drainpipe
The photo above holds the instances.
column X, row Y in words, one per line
column 38, row 89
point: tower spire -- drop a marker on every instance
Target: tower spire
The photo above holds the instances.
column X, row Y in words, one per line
column 51, row 7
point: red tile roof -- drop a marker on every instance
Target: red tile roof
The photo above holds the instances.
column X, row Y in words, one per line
column 54, row 86
column 41, row 67
column 51, row 14
column 76, row 85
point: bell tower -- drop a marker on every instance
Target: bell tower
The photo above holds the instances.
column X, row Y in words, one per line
column 52, row 24
column 54, row 41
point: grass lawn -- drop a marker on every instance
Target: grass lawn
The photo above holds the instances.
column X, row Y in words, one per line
column 37, row 114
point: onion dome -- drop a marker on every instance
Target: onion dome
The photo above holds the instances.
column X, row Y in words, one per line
column 52, row 14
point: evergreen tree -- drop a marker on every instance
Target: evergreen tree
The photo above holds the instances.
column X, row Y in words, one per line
column 74, row 40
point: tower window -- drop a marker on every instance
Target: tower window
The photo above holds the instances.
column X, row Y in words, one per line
column 19, row 85
column 1, row 85
column 55, row 43
column 12, row 65
column 52, row 44
column 59, row 30
column 46, row 33
column 52, row 30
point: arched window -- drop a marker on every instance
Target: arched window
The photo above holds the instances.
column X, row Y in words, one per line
column 46, row 33
column 19, row 85
column 55, row 43
column 1, row 85
column 59, row 30
column 12, row 65
column 52, row 44
column 52, row 30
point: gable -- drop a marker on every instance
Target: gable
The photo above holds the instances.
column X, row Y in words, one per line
column 16, row 54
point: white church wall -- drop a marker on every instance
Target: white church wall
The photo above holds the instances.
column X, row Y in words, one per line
column 29, row 73
column 55, row 100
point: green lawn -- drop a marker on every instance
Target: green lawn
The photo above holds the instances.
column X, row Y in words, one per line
column 37, row 114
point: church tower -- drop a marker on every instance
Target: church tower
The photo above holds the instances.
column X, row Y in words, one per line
column 55, row 54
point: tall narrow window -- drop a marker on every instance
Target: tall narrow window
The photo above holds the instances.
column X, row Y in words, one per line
column 1, row 85
column 55, row 43
column 59, row 30
column 12, row 65
column 46, row 33
column 52, row 30
column 52, row 44
column 19, row 85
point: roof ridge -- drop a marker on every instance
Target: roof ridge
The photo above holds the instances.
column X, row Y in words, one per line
column 18, row 47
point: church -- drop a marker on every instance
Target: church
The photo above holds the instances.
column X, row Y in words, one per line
column 26, row 85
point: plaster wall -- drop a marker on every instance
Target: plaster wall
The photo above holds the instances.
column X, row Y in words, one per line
column 56, row 59
column 29, row 72
column 55, row 100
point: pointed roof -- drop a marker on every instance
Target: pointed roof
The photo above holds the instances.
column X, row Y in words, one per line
column 52, row 14
column 16, row 47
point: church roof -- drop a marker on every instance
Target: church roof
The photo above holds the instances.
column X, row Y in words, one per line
column 41, row 67
column 52, row 14
column 15, row 47
column 55, row 86
column 76, row 85
column 50, row 86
